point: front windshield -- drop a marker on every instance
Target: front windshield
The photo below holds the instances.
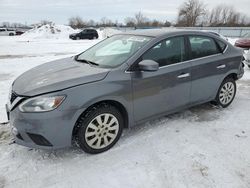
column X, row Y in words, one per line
column 113, row 51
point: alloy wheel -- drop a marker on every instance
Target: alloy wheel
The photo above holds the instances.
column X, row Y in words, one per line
column 227, row 92
column 102, row 131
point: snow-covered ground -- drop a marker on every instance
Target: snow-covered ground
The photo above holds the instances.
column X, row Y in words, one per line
column 200, row 147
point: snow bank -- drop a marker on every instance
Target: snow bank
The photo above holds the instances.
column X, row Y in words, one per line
column 49, row 31
column 107, row 32
column 54, row 31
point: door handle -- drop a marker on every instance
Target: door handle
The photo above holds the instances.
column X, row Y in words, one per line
column 221, row 66
column 183, row 75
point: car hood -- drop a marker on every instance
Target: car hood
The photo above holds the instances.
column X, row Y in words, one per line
column 57, row 75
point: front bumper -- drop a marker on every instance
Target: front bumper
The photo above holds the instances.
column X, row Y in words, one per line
column 47, row 130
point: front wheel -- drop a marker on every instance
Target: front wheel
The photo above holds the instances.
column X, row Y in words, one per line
column 226, row 93
column 99, row 129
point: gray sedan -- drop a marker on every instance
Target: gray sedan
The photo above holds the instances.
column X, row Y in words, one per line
column 122, row 81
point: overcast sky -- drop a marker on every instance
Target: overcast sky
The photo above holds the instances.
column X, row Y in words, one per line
column 59, row 11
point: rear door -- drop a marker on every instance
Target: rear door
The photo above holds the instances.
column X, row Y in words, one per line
column 167, row 89
column 208, row 67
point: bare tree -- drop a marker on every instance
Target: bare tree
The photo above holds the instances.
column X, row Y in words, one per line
column 167, row 23
column 45, row 22
column 91, row 23
column 140, row 19
column 155, row 23
column 105, row 22
column 130, row 22
column 223, row 15
column 77, row 22
column 6, row 24
column 191, row 13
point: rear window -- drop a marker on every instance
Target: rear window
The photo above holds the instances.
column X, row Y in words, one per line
column 202, row 46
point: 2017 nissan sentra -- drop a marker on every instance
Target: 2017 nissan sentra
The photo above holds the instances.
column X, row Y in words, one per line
column 122, row 81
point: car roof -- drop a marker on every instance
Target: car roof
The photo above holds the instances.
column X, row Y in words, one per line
column 165, row 32
column 90, row 29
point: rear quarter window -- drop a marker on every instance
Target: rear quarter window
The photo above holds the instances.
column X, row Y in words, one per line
column 222, row 45
column 202, row 46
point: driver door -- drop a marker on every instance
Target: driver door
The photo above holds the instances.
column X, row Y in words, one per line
column 165, row 90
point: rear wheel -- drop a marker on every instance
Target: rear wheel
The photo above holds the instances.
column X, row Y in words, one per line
column 226, row 93
column 249, row 66
column 11, row 34
column 99, row 129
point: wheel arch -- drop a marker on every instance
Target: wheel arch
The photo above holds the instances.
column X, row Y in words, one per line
column 232, row 75
column 114, row 103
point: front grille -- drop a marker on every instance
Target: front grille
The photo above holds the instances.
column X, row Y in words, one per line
column 13, row 97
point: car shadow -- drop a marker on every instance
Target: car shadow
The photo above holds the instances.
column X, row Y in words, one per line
column 201, row 113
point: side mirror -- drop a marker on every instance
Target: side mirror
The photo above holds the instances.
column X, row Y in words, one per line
column 148, row 65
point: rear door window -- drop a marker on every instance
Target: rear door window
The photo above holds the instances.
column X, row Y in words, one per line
column 202, row 46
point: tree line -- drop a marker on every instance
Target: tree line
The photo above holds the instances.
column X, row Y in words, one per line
column 194, row 13
column 139, row 20
column 191, row 13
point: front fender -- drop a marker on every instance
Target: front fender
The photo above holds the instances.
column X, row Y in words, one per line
column 83, row 96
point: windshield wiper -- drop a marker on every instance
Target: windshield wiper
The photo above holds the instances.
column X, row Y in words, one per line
column 86, row 61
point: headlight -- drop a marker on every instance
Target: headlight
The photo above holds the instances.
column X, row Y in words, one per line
column 41, row 104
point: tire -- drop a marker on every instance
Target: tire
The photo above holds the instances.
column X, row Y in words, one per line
column 94, row 38
column 77, row 38
column 249, row 66
column 226, row 92
column 11, row 34
column 99, row 129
